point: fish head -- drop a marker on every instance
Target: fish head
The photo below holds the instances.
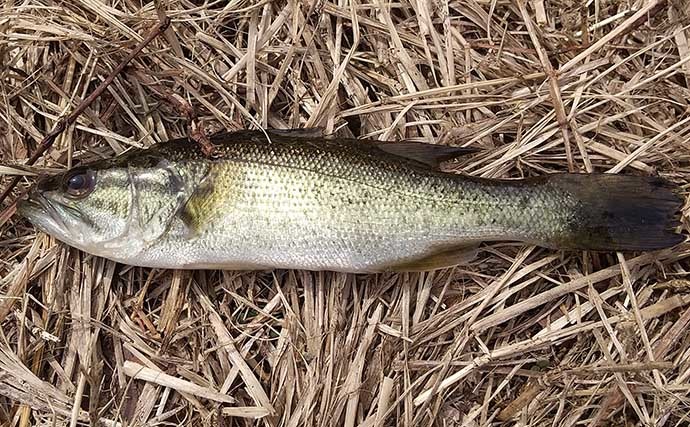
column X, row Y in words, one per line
column 111, row 210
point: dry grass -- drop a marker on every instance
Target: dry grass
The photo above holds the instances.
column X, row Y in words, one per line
column 521, row 336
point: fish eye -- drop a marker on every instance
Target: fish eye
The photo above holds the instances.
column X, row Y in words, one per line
column 80, row 184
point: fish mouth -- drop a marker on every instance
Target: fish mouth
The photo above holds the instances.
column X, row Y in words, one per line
column 43, row 214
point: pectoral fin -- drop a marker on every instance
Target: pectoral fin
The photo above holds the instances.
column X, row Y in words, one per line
column 202, row 204
column 440, row 258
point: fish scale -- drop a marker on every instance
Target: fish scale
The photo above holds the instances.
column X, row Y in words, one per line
column 306, row 207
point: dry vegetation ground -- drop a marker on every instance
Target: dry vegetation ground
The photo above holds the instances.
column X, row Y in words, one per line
column 521, row 336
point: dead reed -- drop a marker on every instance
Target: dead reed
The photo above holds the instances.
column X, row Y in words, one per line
column 521, row 336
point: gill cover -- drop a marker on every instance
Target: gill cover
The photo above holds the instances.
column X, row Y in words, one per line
column 158, row 193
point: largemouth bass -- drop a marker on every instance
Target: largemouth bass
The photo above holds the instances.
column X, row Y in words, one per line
column 293, row 201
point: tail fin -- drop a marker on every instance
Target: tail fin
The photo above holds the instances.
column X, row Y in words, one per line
column 621, row 212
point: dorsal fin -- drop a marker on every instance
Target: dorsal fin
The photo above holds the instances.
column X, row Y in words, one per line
column 259, row 135
column 428, row 154
column 298, row 133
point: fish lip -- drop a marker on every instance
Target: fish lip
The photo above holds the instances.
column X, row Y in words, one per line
column 33, row 204
column 25, row 206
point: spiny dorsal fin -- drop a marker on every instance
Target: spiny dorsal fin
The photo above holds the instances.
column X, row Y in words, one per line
column 299, row 133
column 429, row 154
column 283, row 134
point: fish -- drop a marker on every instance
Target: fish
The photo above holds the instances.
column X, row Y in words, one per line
column 265, row 200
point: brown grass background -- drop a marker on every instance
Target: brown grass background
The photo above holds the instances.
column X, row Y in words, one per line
column 521, row 336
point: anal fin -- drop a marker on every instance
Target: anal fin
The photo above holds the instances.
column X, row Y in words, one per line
column 440, row 258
